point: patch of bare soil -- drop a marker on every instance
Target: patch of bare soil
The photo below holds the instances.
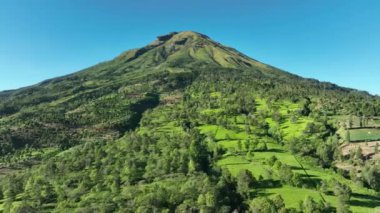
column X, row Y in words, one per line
column 368, row 149
column 344, row 166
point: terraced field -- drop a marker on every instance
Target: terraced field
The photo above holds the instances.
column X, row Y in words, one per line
column 365, row 134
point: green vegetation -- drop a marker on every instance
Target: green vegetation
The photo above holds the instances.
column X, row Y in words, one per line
column 184, row 125
column 365, row 134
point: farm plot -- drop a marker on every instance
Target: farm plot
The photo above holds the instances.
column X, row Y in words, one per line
column 365, row 134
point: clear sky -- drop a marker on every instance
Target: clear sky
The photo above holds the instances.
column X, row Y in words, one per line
column 330, row 40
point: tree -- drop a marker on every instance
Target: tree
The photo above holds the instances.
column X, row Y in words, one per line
column 297, row 180
column 324, row 187
column 306, row 107
column 350, row 122
column 348, row 136
column 278, row 201
column 359, row 153
column 48, row 193
column 64, row 142
column 285, row 174
column 272, row 160
column 268, row 205
column 371, row 176
column 245, row 182
column 40, row 191
column 210, row 199
column 239, row 145
column 276, row 133
column 325, row 153
column 342, row 206
column 249, row 155
column 309, row 205
column 1, row 193
column 293, row 145
column 343, row 192
column 361, row 123
column 198, row 154
column 262, row 205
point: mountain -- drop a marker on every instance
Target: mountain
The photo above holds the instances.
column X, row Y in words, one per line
column 184, row 124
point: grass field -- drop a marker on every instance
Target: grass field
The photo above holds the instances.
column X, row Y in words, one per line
column 365, row 134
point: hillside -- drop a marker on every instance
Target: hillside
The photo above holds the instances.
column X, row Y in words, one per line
column 186, row 124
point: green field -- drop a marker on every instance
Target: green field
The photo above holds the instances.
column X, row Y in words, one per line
column 366, row 134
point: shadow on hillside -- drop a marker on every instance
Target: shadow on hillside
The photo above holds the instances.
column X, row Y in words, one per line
column 313, row 177
column 271, row 150
column 368, row 203
column 296, row 168
column 370, row 197
column 264, row 194
column 276, row 150
column 312, row 183
column 269, row 184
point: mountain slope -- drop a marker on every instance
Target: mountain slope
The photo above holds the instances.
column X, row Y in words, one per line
column 182, row 111
column 68, row 102
column 169, row 63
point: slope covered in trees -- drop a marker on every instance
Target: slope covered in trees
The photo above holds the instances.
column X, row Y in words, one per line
column 183, row 124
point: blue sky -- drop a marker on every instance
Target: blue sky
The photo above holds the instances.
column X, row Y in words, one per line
column 330, row 40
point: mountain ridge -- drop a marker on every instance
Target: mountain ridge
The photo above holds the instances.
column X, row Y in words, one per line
column 169, row 43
